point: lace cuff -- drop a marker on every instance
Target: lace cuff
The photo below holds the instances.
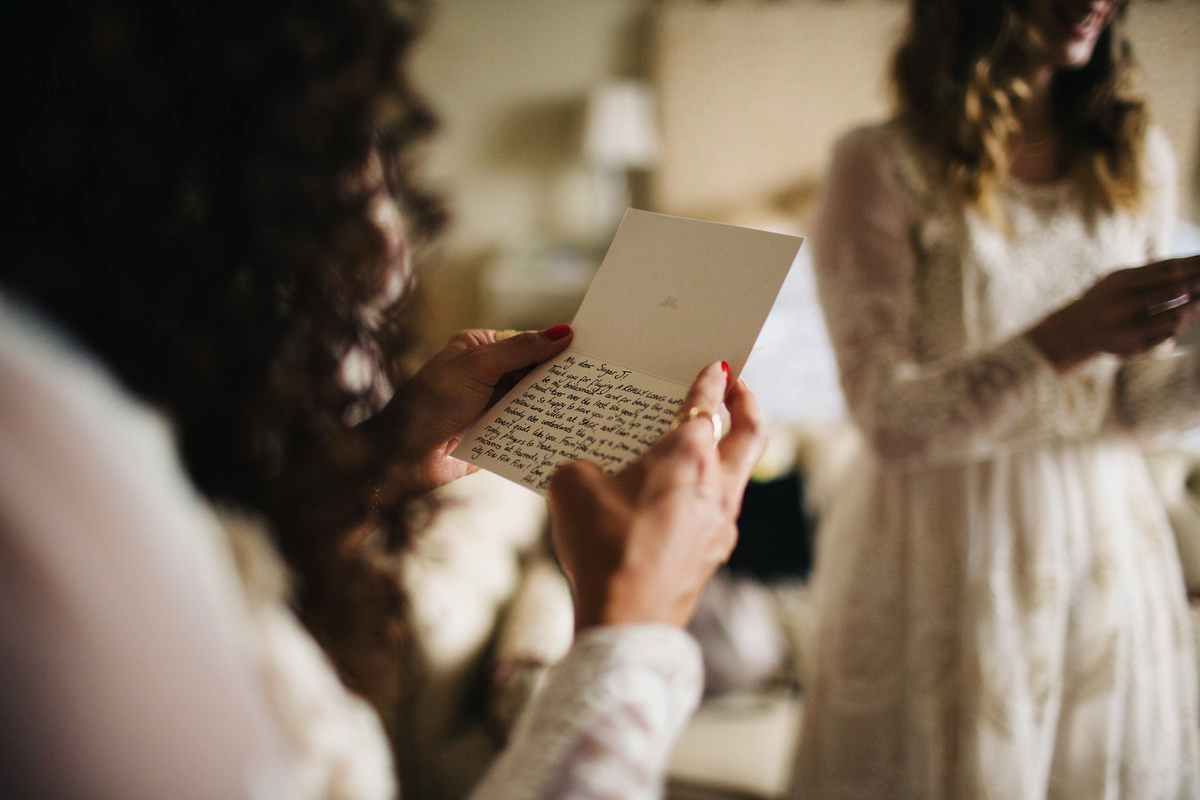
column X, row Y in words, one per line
column 959, row 410
column 606, row 719
column 1159, row 394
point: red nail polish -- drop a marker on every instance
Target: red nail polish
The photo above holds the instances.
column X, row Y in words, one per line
column 556, row 332
column 725, row 369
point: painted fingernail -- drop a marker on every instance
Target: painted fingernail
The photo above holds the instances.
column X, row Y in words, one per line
column 725, row 369
column 556, row 332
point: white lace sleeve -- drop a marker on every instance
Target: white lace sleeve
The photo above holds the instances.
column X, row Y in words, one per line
column 1160, row 393
column 910, row 411
column 604, row 723
column 1162, row 194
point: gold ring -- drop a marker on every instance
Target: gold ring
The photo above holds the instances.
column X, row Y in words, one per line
column 505, row 334
column 1167, row 305
column 689, row 414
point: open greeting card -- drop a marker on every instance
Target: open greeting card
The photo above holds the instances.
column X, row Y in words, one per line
column 671, row 296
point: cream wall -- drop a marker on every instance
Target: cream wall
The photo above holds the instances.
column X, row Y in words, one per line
column 508, row 79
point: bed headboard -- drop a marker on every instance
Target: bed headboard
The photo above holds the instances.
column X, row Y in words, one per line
column 753, row 93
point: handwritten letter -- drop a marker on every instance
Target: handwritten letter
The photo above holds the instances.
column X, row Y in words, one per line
column 575, row 407
column 672, row 295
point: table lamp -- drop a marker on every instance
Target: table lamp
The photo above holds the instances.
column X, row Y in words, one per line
column 620, row 133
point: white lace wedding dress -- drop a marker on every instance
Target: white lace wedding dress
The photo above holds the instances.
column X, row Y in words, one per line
column 1001, row 608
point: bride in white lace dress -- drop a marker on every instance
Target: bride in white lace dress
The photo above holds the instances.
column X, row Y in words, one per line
column 1002, row 612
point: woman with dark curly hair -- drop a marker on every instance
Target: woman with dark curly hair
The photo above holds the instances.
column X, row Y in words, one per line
column 216, row 217
column 1001, row 606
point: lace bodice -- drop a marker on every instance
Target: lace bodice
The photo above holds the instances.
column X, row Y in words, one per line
column 928, row 305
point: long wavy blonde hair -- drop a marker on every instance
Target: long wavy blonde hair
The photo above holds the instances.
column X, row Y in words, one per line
column 959, row 77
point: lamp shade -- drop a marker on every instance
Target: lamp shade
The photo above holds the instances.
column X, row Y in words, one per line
column 621, row 126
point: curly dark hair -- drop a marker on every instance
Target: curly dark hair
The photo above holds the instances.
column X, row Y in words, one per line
column 192, row 205
column 959, row 80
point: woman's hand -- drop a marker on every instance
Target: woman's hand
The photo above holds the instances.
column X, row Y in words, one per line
column 472, row 371
column 1125, row 313
column 639, row 545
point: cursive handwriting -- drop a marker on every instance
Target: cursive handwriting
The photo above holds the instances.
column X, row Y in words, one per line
column 577, row 407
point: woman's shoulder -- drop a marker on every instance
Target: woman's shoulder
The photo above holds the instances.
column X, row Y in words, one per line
column 867, row 153
column 1159, row 156
column 1158, row 144
column 875, row 142
column 881, row 155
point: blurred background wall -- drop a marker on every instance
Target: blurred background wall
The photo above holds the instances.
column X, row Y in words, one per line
column 509, row 79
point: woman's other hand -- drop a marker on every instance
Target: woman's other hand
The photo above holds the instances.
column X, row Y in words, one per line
column 1125, row 313
column 472, row 371
column 640, row 545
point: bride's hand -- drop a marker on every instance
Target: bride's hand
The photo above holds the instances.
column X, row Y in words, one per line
column 1125, row 313
column 639, row 545
column 471, row 372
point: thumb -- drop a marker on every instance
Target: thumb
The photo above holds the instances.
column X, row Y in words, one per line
column 522, row 351
column 573, row 481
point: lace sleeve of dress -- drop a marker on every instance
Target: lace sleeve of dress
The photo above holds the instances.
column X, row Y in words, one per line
column 604, row 723
column 913, row 413
column 1162, row 194
column 1159, row 393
